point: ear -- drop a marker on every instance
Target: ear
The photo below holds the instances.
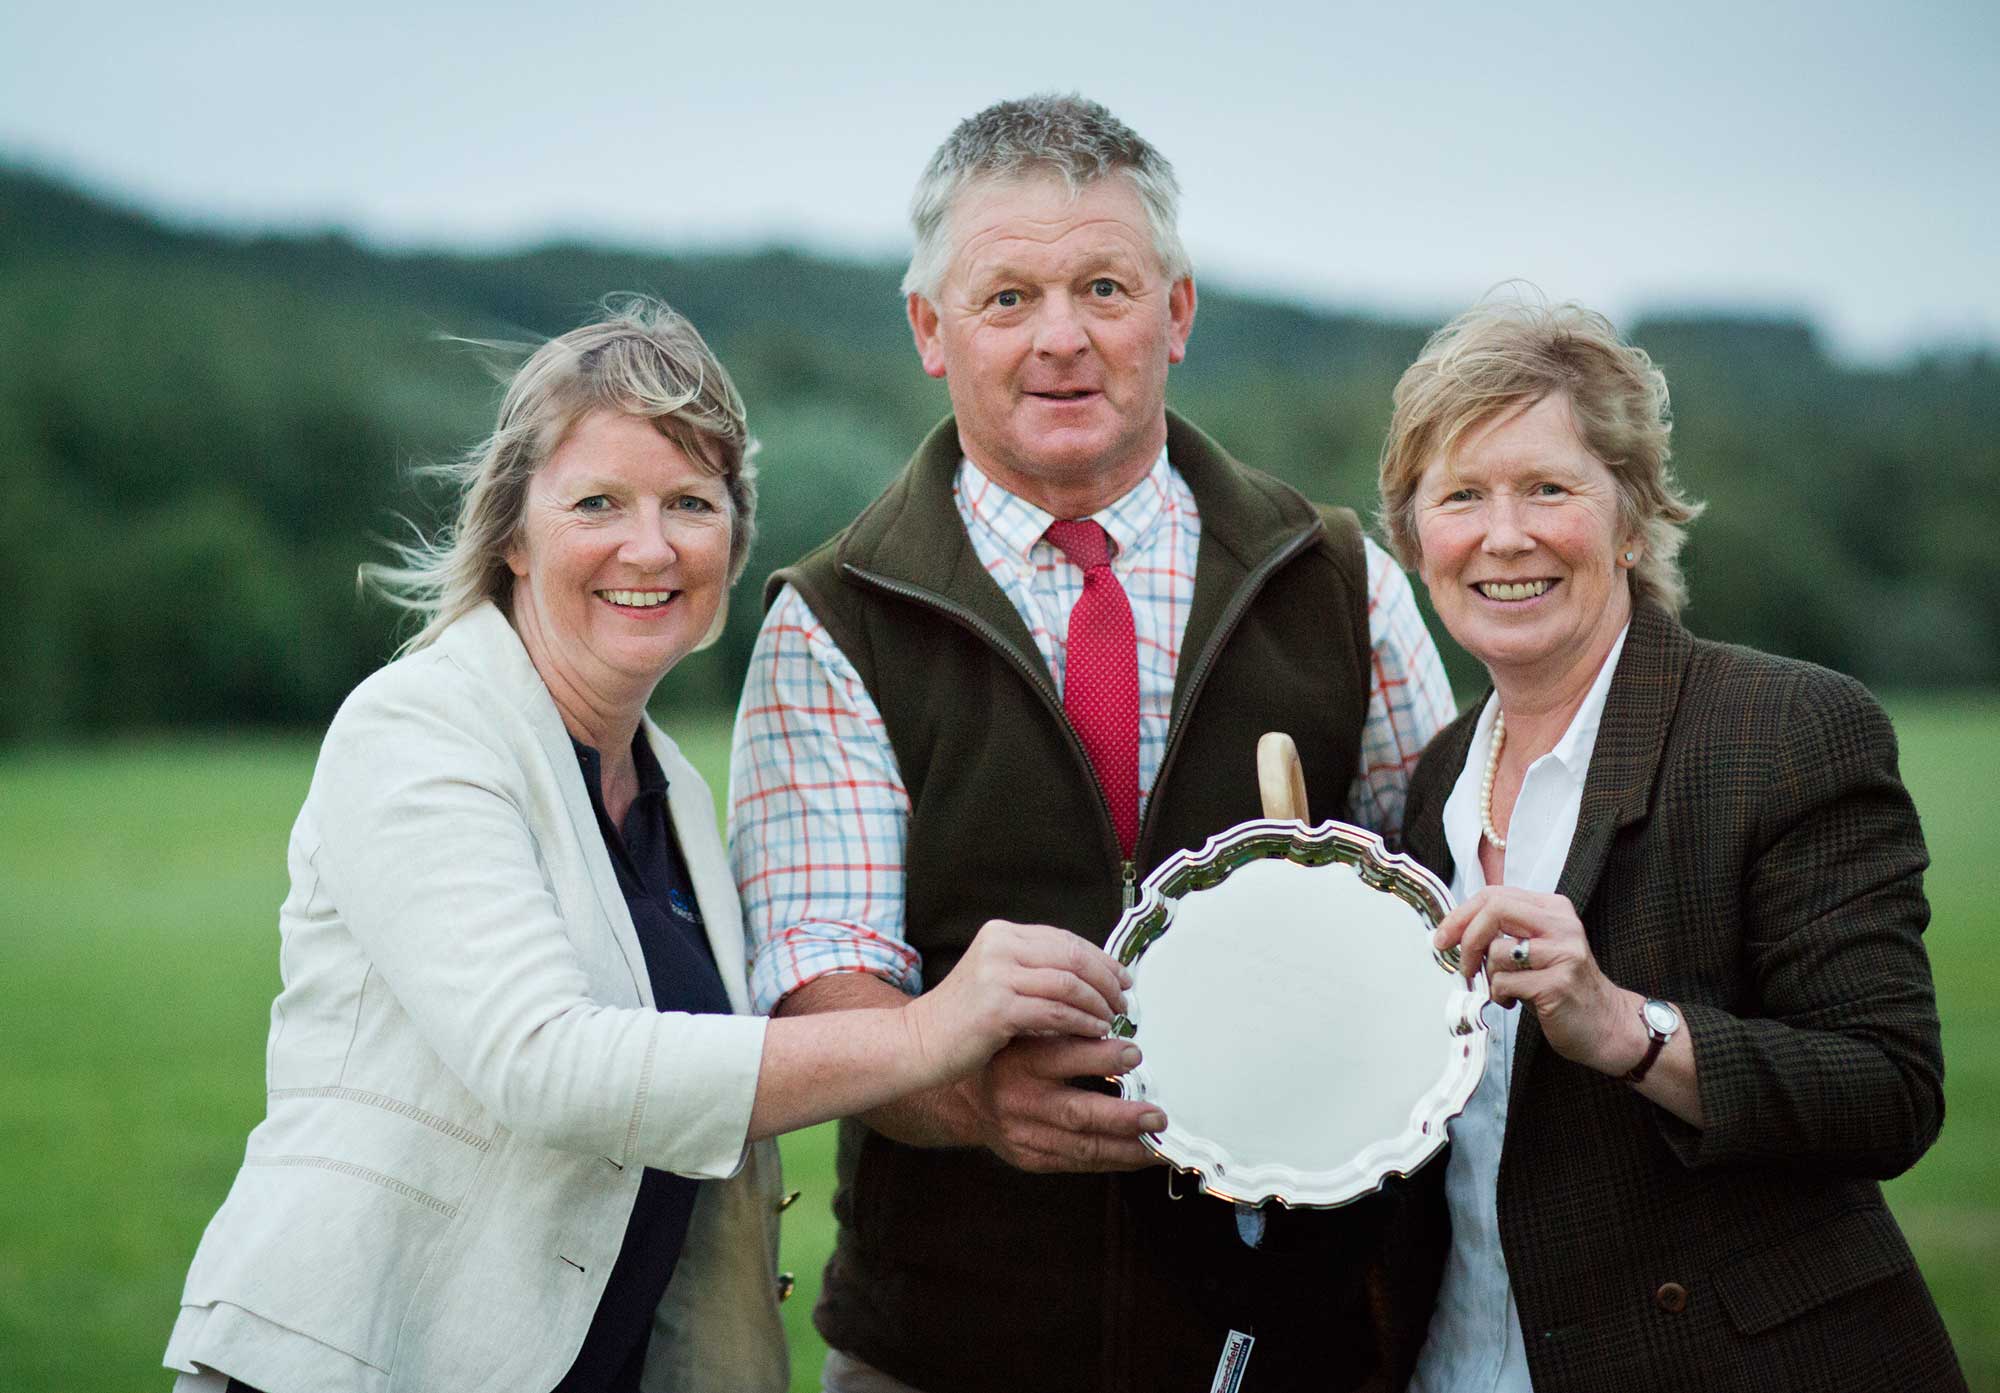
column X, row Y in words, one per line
column 924, row 329
column 516, row 556
column 1180, row 314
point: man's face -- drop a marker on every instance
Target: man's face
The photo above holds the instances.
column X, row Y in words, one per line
column 1054, row 328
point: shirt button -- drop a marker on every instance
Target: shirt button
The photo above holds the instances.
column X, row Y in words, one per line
column 1672, row 1298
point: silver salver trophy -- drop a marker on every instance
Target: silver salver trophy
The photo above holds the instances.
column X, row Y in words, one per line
column 1299, row 1031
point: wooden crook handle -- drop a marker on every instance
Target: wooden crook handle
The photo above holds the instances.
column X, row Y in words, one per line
column 1281, row 781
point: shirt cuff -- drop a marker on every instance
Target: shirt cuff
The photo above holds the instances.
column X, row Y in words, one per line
column 807, row 952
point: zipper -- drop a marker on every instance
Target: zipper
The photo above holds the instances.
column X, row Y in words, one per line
column 1231, row 617
column 1037, row 676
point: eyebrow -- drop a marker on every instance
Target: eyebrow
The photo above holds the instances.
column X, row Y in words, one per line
column 1116, row 261
column 585, row 485
column 1456, row 477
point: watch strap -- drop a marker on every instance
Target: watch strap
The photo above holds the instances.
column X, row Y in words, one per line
column 1656, row 1040
column 1654, row 1044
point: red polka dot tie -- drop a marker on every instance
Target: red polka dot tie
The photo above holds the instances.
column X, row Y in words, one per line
column 1101, row 674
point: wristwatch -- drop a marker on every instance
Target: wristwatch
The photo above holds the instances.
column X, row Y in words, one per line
column 1661, row 1019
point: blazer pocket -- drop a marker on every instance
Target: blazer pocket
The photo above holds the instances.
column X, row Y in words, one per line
column 323, row 1247
column 1773, row 1284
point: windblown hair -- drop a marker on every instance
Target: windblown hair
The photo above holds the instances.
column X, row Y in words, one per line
column 1068, row 137
column 641, row 359
column 1503, row 356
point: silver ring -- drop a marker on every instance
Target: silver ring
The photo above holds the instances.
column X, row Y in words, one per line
column 1519, row 953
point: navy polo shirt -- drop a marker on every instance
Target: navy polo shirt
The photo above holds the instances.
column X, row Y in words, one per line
column 681, row 967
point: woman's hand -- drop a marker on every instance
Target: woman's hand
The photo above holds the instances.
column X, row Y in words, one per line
column 1535, row 950
column 1015, row 979
column 858, row 1052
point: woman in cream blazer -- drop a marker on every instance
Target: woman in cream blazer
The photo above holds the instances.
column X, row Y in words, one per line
column 467, row 1073
column 433, row 1200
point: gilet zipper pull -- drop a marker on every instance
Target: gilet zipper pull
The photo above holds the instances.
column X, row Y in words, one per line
column 1129, row 892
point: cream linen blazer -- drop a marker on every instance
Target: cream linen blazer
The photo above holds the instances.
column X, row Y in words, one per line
column 466, row 1073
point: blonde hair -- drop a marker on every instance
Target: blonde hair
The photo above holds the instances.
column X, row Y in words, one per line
column 642, row 359
column 1502, row 356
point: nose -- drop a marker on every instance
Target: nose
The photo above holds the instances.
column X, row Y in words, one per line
column 648, row 547
column 1059, row 329
column 1505, row 535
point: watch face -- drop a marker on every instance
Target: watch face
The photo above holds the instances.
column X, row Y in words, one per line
column 1662, row 1018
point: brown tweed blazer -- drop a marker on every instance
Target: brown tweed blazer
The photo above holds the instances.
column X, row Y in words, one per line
column 1746, row 850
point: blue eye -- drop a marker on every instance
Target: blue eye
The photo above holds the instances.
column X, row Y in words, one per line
column 693, row 503
column 596, row 503
column 1008, row 299
column 1550, row 490
column 1103, row 288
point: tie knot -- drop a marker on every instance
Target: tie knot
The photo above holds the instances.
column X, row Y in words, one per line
column 1083, row 541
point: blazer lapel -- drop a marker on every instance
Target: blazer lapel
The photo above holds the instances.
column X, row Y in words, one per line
column 1623, row 766
column 487, row 641
column 1630, row 739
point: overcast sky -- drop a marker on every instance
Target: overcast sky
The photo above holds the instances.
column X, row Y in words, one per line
column 1832, row 159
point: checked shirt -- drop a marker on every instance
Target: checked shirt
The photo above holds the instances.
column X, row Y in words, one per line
column 818, row 811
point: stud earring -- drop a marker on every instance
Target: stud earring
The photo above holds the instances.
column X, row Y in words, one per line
column 1630, row 557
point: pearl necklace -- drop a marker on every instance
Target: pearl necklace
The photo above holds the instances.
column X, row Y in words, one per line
column 1486, row 782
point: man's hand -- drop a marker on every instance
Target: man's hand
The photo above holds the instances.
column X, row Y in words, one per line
column 1030, row 1115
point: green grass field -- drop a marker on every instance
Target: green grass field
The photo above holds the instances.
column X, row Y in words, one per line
column 140, row 889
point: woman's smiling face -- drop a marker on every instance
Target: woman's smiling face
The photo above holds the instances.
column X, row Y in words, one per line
column 621, row 560
column 1523, row 552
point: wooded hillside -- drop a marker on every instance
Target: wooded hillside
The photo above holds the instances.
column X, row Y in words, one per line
column 201, row 435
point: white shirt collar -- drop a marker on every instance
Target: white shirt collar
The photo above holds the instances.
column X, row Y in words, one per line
column 1580, row 740
column 1572, row 752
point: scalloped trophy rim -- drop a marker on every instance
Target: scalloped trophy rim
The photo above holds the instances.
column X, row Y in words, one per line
column 1390, row 872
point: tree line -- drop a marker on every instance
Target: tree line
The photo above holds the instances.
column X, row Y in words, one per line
column 202, row 434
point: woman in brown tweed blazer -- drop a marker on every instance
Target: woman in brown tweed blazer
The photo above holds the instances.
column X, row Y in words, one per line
column 1697, row 867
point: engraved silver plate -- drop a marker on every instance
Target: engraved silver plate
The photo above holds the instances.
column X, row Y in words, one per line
column 1299, row 1031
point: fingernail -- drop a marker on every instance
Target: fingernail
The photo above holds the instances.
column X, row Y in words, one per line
column 1129, row 1057
column 1152, row 1121
column 1124, row 977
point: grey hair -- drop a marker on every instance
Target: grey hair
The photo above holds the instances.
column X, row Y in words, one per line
column 1066, row 136
column 641, row 359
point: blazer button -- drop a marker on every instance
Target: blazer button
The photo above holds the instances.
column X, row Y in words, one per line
column 787, row 1283
column 1672, row 1298
column 789, row 1200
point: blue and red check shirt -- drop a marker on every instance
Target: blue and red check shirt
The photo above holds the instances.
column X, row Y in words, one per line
column 817, row 808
